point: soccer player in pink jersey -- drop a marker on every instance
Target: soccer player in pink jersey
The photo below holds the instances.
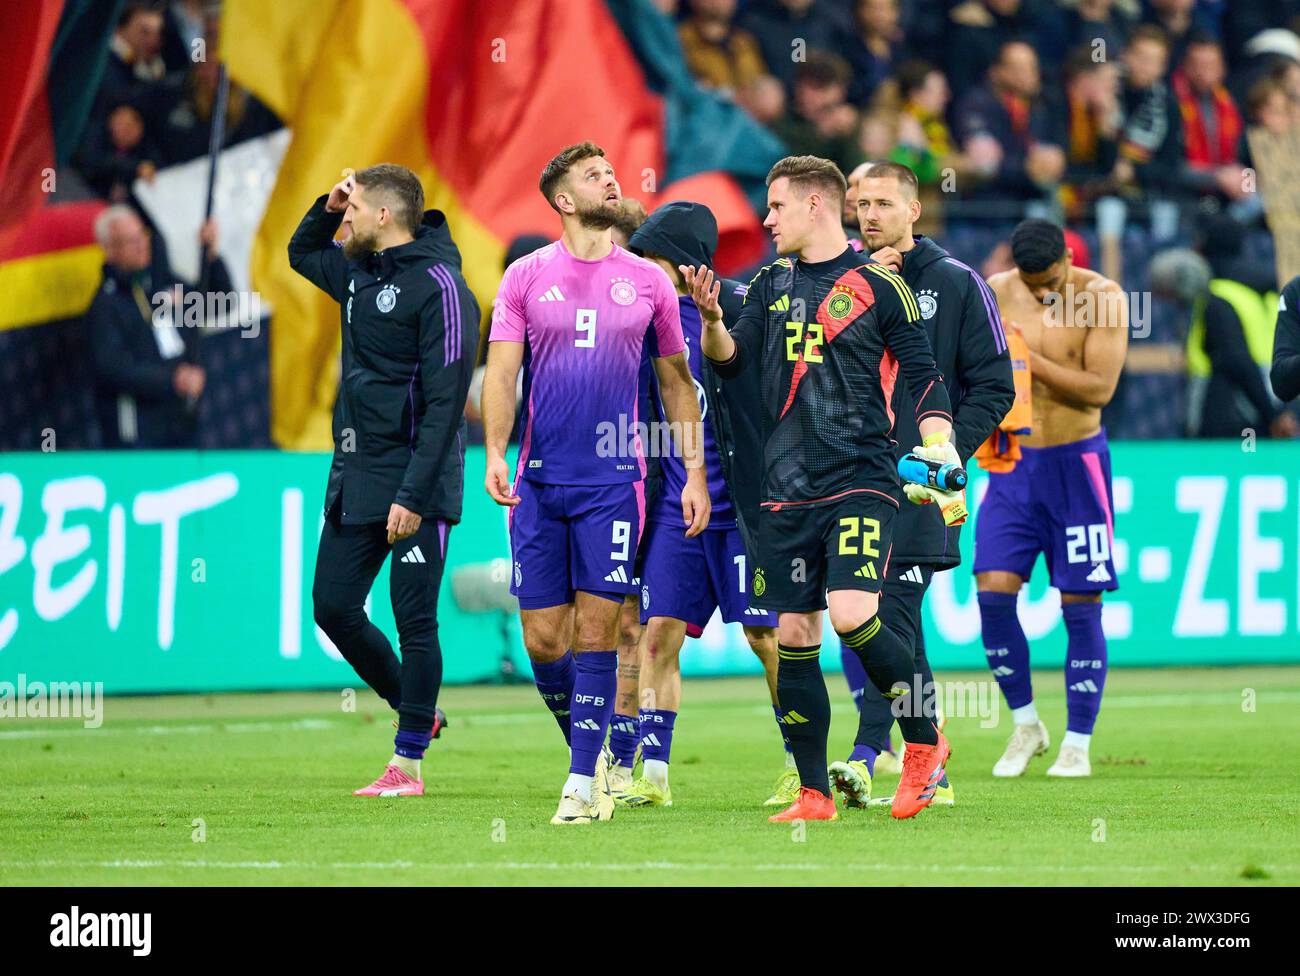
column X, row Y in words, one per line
column 575, row 316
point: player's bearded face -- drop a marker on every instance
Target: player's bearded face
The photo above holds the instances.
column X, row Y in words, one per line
column 599, row 213
column 363, row 223
column 597, row 198
column 360, row 244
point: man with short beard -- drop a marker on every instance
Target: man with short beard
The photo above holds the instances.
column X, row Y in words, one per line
column 410, row 336
column 961, row 321
column 575, row 315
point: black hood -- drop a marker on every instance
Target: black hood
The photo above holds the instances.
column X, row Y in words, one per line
column 924, row 254
column 684, row 233
column 432, row 243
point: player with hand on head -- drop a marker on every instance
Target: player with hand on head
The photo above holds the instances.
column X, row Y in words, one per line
column 1057, row 499
column 829, row 330
column 960, row 317
column 574, row 315
column 410, row 335
column 685, row 579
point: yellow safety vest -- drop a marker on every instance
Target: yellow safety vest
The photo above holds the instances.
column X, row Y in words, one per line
column 1258, row 315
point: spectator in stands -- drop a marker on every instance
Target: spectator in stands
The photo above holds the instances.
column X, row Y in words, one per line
column 135, row 72
column 1178, row 20
column 977, row 31
column 116, row 154
column 1151, row 143
column 720, row 54
column 1013, row 139
column 146, row 391
column 188, row 127
column 1230, row 340
column 764, row 99
column 823, row 123
column 1269, row 105
column 790, row 29
column 874, row 49
column 1213, row 133
column 1094, row 117
column 923, row 142
column 1099, row 25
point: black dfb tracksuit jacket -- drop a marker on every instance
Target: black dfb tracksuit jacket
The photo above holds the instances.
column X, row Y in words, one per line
column 961, row 319
column 410, row 335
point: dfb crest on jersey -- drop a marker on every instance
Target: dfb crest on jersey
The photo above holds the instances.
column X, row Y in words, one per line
column 928, row 300
column 645, row 598
column 519, row 575
column 622, row 291
column 840, row 305
column 387, row 298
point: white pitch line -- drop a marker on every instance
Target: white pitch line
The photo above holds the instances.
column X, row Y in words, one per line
column 837, row 866
column 471, row 719
column 205, row 728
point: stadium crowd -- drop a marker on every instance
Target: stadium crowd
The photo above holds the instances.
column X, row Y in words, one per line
column 1004, row 109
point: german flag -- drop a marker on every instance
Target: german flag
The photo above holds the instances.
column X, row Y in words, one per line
column 475, row 98
column 49, row 264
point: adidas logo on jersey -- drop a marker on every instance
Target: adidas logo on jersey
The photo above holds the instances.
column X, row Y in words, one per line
column 552, row 295
column 1002, row 671
column 1099, row 574
column 414, row 556
column 754, row 612
column 590, row 724
column 782, row 304
column 913, row 575
column 867, row 572
column 618, row 576
column 793, row 718
column 1087, row 685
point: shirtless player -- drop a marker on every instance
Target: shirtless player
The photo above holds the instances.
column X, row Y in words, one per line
column 1057, row 500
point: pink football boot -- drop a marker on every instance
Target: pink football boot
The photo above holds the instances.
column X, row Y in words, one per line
column 394, row 782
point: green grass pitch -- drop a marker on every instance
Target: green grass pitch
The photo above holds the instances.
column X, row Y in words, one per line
column 1193, row 783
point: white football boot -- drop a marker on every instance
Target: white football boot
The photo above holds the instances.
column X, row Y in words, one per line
column 1026, row 742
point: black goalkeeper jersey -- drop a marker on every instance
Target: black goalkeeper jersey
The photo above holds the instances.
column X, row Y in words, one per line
column 829, row 339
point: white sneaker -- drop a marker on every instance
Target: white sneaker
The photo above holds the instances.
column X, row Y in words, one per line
column 620, row 779
column 602, row 800
column 1071, row 762
column 890, row 763
column 1026, row 742
column 573, row 809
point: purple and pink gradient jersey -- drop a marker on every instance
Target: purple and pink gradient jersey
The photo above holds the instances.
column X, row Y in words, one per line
column 583, row 325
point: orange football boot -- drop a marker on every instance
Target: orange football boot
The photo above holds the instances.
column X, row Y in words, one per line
column 811, row 805
column 922, row 771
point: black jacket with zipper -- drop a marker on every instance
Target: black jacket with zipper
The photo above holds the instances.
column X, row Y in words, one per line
column 687, row 233
column 961, row 318
column 136, row 403
column 410, row 334
column 1285, row 373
